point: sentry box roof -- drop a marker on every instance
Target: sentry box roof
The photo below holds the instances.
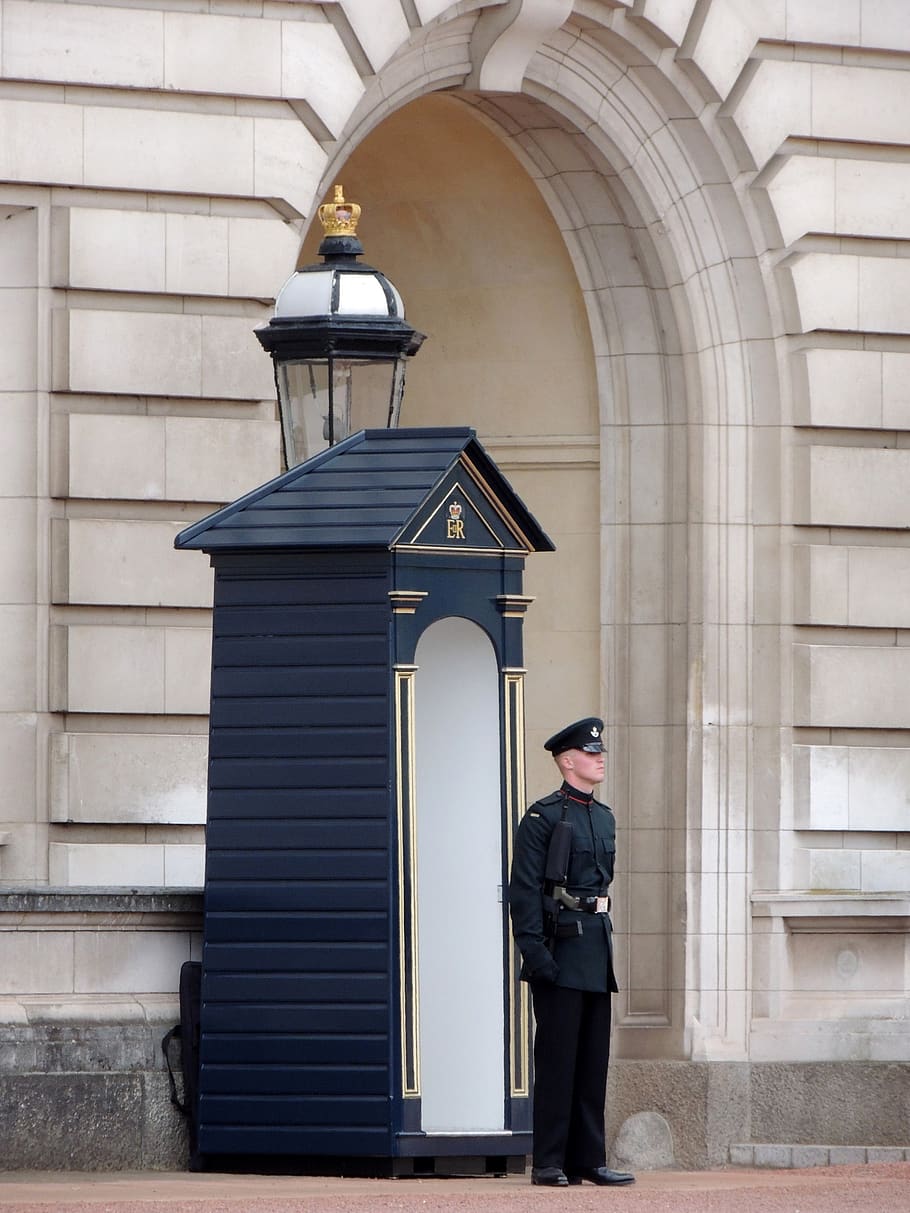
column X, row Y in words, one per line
column 431, row 490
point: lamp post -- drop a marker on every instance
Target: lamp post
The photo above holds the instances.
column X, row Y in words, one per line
column 339, row 342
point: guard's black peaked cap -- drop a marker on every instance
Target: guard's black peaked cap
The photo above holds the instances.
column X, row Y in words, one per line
column 582, row 735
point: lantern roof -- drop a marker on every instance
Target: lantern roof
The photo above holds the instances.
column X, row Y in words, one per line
column 339, row 306
column 426, row 489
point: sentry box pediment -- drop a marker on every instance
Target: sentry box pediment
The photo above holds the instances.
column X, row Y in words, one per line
column 360, row 995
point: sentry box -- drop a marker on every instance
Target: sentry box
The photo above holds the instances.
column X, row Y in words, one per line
column 361, row 1007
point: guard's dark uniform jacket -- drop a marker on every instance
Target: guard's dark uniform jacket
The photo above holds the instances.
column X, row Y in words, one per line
column 578, row 961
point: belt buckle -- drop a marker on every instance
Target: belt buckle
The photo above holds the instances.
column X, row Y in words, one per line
column 603, row 905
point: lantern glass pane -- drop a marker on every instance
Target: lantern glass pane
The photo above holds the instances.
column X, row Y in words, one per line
column 363, row 392
column 399, row 302
column 306, row 294
column 303, row 389
column 361, row 295
column 323, row 402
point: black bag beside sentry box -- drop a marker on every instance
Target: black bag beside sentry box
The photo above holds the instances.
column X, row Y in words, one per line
column 187, row 1033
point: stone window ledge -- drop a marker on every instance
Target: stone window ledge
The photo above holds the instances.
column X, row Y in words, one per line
column 835, row 911
column 87, row 1010
column 153, row 908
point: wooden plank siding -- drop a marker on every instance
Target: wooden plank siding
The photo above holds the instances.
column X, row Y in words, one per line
column 296, row 1021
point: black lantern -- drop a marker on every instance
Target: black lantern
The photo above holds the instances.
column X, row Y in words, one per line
column 339, row 343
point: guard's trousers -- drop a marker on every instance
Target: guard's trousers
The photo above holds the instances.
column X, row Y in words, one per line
column 571, row 1056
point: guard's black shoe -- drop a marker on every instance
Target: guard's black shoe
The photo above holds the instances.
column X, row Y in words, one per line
column 601, row 1176
column 549, row 1177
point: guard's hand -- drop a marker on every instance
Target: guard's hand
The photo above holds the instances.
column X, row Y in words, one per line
column 547, row 972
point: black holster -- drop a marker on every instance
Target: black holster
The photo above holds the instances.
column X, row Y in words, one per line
column 551, row 909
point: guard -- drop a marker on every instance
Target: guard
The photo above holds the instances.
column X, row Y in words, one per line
column 562, row 867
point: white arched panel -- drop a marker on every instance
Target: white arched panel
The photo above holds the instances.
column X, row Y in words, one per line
column 459, row 877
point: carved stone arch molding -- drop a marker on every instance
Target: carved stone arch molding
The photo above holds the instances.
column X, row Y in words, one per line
column 614, row 127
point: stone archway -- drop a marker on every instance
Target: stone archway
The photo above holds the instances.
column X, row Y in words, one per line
column 642, row 191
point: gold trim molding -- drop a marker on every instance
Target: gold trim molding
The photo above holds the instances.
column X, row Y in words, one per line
column 406, row 602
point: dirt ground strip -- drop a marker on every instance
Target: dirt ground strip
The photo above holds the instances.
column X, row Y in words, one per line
column 873, row 1188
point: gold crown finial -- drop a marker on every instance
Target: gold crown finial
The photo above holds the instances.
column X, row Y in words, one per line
column 339, row 218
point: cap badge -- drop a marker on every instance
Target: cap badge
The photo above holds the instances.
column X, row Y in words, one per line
column 595, row 732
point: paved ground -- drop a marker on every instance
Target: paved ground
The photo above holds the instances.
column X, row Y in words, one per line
column 872, row 1188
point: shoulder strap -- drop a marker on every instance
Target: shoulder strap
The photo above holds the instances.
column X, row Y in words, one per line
column 559, row 849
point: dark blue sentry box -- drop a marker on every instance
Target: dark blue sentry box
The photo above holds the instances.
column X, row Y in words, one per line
column 360, row 996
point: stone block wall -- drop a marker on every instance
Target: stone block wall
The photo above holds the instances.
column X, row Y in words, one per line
column 83, row 1081
column 712, row 1110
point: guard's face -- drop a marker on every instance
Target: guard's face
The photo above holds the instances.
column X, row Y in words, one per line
column 585, row 766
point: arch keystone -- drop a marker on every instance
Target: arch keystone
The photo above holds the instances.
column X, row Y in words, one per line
column 506, row 37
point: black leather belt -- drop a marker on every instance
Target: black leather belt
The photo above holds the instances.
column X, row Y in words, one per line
column 588, row 904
